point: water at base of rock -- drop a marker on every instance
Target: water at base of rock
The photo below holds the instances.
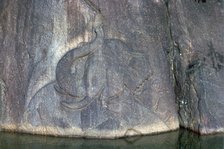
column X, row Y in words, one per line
column 181, row 139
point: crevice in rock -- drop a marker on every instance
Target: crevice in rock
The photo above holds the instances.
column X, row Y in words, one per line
column 198, row 106
column 179, row 78
column 171, row 55
column 192, row 112
column 169, row 31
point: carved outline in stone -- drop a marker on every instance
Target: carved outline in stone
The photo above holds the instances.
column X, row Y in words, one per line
column 87, row 49
column 64, row 65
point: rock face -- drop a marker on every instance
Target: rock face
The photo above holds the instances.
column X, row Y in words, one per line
column 86, row 68
column 198, row 43
column 110, row 68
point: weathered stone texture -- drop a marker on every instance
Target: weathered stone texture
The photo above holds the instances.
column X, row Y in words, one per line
column 85, row 68
column 198, row 43
column 111, row 68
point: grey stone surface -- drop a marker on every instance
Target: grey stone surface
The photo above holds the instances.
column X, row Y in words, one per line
column 110, row 68
column 86, row 68
column 198, row 37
